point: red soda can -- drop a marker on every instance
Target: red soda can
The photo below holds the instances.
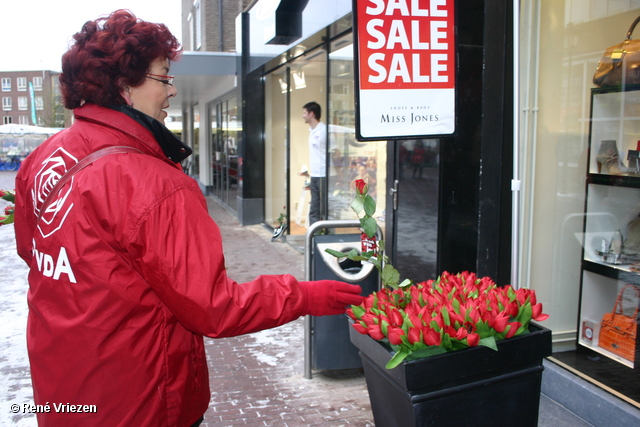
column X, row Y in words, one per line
column 368, row 244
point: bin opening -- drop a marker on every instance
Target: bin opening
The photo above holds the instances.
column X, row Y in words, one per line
column 350, row 266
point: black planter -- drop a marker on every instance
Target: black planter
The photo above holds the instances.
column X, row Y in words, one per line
column 474, row 386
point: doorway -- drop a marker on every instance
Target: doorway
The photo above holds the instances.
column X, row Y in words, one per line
column 412, row 216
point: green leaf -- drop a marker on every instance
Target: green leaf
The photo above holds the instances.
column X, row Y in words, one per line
column 384, row 327
column 405, row 283
column 370, row 226
column 455, row 302
column 358, row 204
column 9, row 197
column 397, row 359
column 375, row 261
column 489, row 342
column 483, row 329
column 369, row 205
column 426, row 352
column 335, row 253
column 7, row 220
column 445, row 316
column 390, row 275
column 446, row 342
column 358, row 311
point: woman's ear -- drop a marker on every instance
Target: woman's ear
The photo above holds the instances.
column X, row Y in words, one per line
column 126, row 94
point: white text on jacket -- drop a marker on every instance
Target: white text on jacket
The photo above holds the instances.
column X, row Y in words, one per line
column 51, row 267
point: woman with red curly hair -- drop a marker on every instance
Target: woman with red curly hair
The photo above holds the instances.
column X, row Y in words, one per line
column 127, row 269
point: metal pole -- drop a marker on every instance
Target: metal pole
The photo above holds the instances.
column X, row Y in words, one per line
column 515, row 182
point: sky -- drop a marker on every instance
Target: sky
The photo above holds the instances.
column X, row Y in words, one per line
column 35, row 33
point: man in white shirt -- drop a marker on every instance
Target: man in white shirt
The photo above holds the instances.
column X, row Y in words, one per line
column 311, row 113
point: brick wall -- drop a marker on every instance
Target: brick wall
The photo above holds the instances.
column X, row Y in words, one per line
column 211, row 24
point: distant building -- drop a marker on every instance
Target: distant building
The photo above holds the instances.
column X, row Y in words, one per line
column 32, row 98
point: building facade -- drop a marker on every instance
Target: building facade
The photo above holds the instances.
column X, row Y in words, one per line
column 32, row 98
column 536, row 188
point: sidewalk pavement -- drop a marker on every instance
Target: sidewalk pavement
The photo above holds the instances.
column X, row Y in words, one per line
column 256, row 379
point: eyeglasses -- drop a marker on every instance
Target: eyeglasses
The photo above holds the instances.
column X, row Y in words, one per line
column 168, row 80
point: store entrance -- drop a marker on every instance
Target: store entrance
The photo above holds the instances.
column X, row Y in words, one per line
column 412, row 207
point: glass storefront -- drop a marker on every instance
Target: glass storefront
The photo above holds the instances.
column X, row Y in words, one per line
column 568, row 227
column 195, row 157
column 287, row 90
column 276, row 146
column 225, row 129
column 350, row 160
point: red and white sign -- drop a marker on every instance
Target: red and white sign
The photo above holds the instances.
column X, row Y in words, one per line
column 405, row 52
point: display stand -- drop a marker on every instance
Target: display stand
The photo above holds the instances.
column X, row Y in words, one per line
column 611, row 238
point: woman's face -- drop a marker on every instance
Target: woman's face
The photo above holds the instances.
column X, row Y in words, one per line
column 152, row 96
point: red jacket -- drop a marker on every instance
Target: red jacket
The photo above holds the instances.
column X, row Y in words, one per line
column 126, row 275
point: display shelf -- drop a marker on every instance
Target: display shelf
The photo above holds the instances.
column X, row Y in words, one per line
column 603, row 292
column 618, row 272
column 623, row 180
column 614, row 131
column 612, row 205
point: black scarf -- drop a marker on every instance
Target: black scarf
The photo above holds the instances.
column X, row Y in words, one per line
column 173, row 147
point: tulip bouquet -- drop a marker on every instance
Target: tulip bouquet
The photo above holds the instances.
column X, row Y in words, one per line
column 9, row 196
column 450, row 313
column 453, row 312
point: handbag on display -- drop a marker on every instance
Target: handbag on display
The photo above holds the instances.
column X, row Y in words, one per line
column 618, row 331
column 620, row 63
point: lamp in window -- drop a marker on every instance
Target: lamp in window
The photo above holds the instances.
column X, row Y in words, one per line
column 283, row 86
column 298, row 80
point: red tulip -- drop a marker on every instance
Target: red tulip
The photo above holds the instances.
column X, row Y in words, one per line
column 431, row 337
column 461, row 334
column 473, row 339
column 537, row 313
column 396, row 317
column 369, row 318
column 395, row 334
column 513, row 328
column 500, row 322
column 414, row 335
column 375, row 332
column 358, row 327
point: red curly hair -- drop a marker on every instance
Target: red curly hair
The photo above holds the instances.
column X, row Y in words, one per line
column 112, row 53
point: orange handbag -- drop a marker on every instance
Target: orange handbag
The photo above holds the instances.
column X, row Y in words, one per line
column 618, row 331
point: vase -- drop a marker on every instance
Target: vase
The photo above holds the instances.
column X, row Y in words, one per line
column 473, row 386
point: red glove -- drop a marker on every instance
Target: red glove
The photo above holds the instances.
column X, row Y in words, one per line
column 327, row 297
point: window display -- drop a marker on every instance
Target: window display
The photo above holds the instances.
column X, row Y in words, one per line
column 610, row 293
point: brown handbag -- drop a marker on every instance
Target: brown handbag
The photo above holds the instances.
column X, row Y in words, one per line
column 620, row 64
column 618, row 331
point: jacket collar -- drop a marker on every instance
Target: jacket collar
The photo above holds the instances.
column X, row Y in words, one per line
column 171, row 145
column 146, row 129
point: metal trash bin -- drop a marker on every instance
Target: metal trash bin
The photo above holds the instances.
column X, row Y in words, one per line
column 327, row 343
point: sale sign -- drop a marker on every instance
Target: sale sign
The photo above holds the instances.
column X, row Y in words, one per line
column 406, row 68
